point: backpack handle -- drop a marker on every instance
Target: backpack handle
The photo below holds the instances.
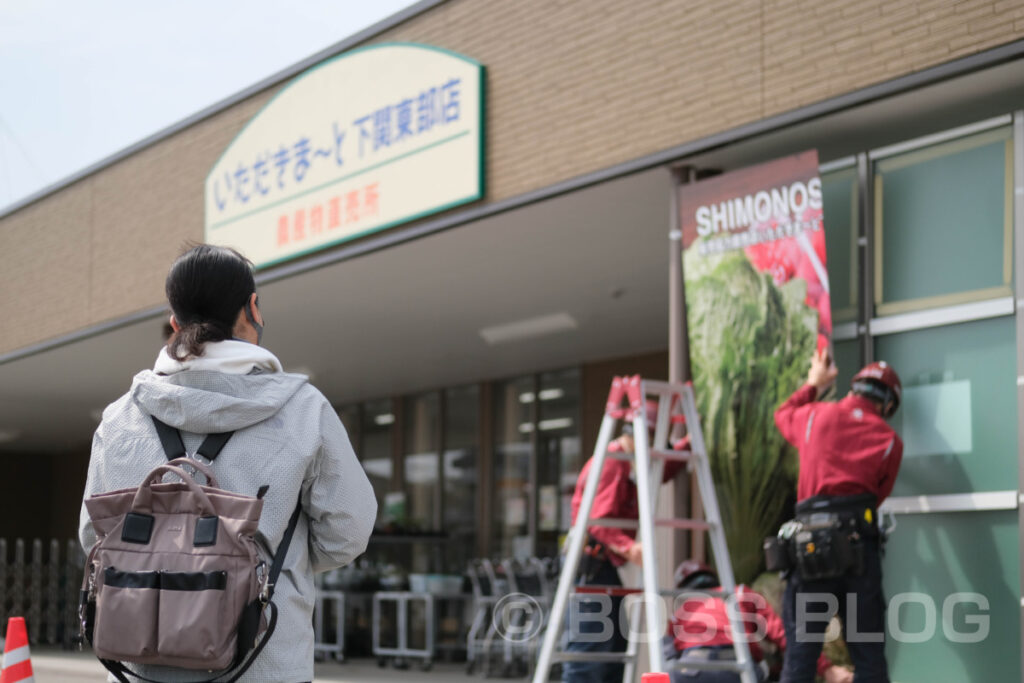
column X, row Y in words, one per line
column 144, row 495
column 207, row 471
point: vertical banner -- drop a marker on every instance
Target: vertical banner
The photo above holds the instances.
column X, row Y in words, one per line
column 757, row 303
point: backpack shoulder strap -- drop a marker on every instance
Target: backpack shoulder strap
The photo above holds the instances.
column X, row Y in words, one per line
column 174, row 447
column 170, row 439
column 282, row 550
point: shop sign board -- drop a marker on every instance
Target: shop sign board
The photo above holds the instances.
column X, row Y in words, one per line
column 370, row 139
column 757, row 301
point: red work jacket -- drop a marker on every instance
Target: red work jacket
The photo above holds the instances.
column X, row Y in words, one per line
column 845, row 447
column 703, row 622
column 616, row 498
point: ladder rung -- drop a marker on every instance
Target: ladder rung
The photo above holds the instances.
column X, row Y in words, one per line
column 706, row 665
column 694, row 524
column 603, row 657
column 668, row 456
column 619, row 591
column 673, row 456
column 623, row 523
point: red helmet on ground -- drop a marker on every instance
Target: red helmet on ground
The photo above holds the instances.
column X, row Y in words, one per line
column 694, row 574
column 879, row 382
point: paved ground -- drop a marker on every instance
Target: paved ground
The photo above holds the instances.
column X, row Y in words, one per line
column 55, row 666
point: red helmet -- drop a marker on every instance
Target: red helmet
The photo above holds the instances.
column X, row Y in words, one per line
column 880, row 382
column 694, row 574
column 650, row 412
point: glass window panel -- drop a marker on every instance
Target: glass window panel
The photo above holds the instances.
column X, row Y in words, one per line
column 943, row 222
column 513, row 429
column 839, row 193
column 958, row 420
column 420, row 441
column 936, row 557
column 558, row 463
column 375, row 429
column 847, row 359
column 462, row 444
column 349, row 416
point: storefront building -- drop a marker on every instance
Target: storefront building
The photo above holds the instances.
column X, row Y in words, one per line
column 468, row 348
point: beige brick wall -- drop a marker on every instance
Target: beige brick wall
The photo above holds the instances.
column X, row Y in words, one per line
column 573, row 86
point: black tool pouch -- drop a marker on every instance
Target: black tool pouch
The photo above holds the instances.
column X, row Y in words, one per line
column 778, row 556
column 823, row 548
column 594, row 557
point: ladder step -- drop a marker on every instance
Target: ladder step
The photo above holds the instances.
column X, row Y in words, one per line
column 603, row 657
column 668, row 456
column 675, row 523
column 706, row 665
column 673, row 456
column 620, row 591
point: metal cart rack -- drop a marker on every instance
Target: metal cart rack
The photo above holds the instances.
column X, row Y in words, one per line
column 335, row 601
column 403, row 650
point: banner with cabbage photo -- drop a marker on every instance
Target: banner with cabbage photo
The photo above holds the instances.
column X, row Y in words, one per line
column 757, row 303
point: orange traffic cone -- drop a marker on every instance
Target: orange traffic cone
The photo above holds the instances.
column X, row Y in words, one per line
column 17, row 661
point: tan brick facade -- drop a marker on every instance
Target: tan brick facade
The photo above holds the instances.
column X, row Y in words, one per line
column 572, row 86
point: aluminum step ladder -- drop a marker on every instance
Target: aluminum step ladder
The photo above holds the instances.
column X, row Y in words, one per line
column 649, row 460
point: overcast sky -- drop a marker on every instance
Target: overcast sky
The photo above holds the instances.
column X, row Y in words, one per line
column 82, row 80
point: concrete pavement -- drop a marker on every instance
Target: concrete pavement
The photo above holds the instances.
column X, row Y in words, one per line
column 53, row 665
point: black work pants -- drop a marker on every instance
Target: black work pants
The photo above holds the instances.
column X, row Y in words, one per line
column 808, row 605
column 595, row 627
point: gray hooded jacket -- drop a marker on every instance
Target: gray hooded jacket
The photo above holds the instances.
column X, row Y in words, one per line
column 286, row 436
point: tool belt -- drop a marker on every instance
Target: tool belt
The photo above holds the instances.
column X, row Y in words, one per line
column 595, row 555
column 826, row 538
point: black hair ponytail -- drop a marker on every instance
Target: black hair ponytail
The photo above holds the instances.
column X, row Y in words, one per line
column 206, row 287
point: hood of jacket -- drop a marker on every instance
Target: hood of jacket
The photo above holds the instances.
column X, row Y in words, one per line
column 209, row 400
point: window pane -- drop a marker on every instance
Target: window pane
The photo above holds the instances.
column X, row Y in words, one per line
column 513, row 427
column 558, row 461
column 936, row 556
column 462, row 444
column 847, row 359
column 943, row 224
column 839, row 195
column 420, row 440
column 376, row 449
column 958, row 420
column 349, row 416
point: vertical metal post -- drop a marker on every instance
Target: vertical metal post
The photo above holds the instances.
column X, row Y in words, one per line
column 439, row 499
column 866, row 257
column 533, row 477
column 652, row 597
column 52, row 591
column 678, row 349
column 573, row 551
column 1018, row 232
column 485, row 463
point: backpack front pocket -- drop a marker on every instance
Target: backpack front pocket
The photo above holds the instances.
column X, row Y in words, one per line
column 126, row 614
column 194, row 613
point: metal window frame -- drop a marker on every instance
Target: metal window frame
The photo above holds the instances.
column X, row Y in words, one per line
column 1018, row 232
column 928, row 145
column 954, row 502
column 940, row 137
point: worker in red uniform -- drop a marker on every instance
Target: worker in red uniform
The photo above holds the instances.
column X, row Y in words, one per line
column 607, row 549
column 699, row 631
column 849, row 458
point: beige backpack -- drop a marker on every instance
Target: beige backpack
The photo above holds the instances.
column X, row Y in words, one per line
column 175, row 578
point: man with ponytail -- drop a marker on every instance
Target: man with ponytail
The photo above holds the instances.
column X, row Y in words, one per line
column 286, row 445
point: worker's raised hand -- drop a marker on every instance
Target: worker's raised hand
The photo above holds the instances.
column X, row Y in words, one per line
column 823, row 371
column 635, row 554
